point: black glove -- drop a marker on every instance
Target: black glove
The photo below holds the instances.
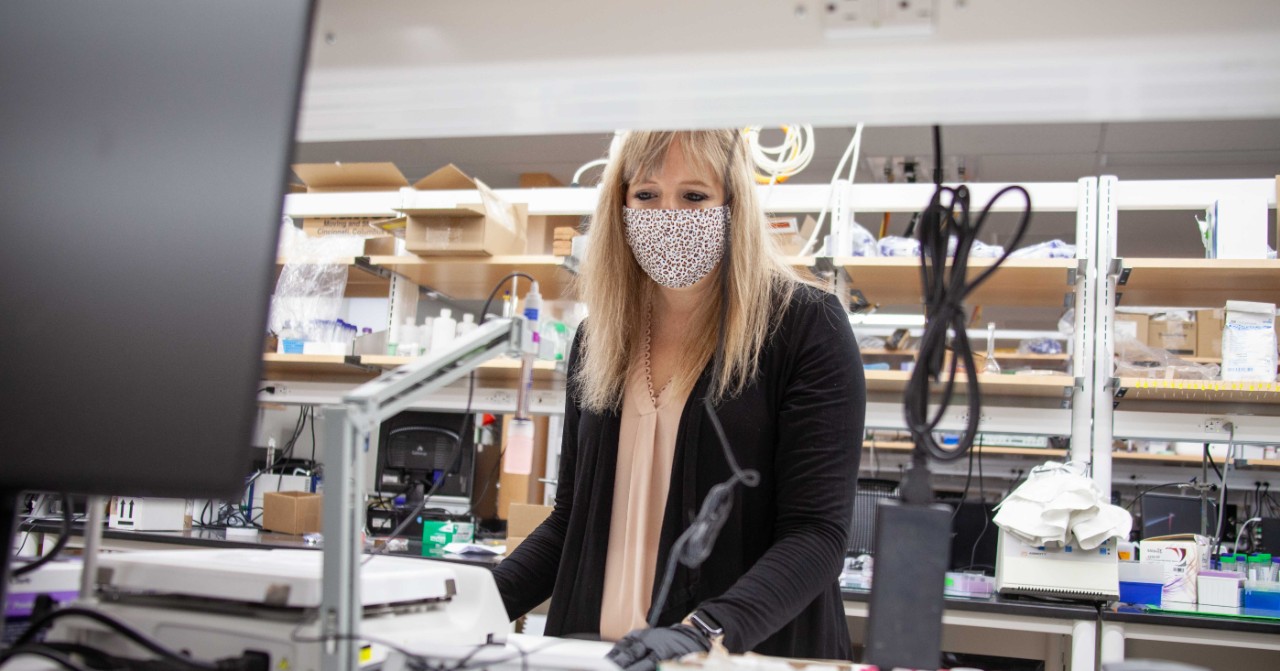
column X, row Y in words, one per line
column 642, row 649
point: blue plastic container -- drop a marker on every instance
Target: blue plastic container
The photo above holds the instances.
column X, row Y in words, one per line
column 1141, row 593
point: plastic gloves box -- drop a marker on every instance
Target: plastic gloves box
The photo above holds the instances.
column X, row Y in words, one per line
column 436, row 534
column 1183, row 557
column 147, row 514
column 294, row 513
column 479, row 225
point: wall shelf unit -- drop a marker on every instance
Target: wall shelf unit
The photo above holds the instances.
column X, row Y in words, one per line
column 1197, row 283
column 1018, row 282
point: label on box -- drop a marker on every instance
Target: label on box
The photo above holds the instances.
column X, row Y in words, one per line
column 437, row 534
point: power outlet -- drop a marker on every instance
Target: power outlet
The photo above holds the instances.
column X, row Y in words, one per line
column 879, row 18
column 1216, row 425
column 899, row 13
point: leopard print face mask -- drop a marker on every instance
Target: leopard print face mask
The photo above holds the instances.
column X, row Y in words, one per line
column 676, row 247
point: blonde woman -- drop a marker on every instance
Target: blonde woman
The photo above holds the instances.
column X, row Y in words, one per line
column 679, row 245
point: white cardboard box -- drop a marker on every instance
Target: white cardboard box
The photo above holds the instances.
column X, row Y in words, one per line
column 147, row 514
column 1238, row 228
column 1183, row 557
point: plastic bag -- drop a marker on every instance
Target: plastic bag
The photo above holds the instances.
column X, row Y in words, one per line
column 1040, row 346
column 1249, row 342
column 893, row 245
column 1053, row 249
column 1137, row 359
column 981, row 250
column 871, row 343
column 309, row 291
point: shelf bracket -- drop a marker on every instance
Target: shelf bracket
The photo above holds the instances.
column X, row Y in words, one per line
column 1118, row 270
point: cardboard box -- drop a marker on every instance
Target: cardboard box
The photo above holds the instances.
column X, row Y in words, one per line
column 349, row 177
column 1183, row 557
column 1209, row 333
column 486, row 227
column 292, row 512
column 1132, row 326
column 523, row 518
column 1176, row 336
column 1238, row 228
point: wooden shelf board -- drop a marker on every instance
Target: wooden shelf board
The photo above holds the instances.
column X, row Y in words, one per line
column 1018, row 282
column 472, row 278
column 1199, row 282
column 1049, row 386
column 1141, row 389
column 504, row 372
column 904, row 446
column 1000, row 356
column 360, row 283
column 314, row 367
column 1184, row 459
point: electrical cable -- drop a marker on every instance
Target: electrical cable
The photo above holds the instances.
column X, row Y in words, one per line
column 778, row 163
column 1148, row 490
column 1240, row 533
column 986, row 519
column 123, row 629
column 1222, row 498
column 946, row 287
column 853, row 149
column 57, row 546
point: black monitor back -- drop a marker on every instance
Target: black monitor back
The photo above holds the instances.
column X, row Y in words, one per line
column 1168, row 514
column 417, row 446
column 144, row 149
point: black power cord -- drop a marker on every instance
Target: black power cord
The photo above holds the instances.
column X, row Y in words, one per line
column 57, row 546
column 946, row 286
column 182, row 661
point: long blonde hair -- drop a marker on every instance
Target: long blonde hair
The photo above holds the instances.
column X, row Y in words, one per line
column 616, row 289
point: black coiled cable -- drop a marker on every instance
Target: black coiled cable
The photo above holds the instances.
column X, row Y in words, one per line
column 945, row 288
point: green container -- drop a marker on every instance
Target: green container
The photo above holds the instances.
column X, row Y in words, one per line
column 438, row 533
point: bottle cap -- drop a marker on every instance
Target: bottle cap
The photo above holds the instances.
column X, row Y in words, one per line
column 445, row 313
column 468, row 318
column 1265, row 557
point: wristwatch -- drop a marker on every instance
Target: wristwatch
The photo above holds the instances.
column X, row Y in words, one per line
column 708, row 626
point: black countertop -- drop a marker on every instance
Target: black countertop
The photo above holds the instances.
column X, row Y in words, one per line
column 1000, row 605
column 218, row 538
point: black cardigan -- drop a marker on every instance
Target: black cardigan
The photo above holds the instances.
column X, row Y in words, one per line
column 772, row 580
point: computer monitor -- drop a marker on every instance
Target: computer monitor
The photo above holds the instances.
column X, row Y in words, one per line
column 421, row 452
column 1166, row 514
column 144, row 150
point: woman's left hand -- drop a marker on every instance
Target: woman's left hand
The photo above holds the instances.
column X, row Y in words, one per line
column 642, row 649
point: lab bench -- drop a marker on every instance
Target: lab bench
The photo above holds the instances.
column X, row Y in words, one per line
column 1066, row 636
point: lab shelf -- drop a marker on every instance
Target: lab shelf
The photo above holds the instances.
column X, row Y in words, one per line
column 313, row 367
column 498, row 372
column 472, row 278
column 361, row 283
column 1045, row 386
column 906, row 446
column 1197, row 282
column 1018, row 282
column 1186, row 459
column 1134, row 388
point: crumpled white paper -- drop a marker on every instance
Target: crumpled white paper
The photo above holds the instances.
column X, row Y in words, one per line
column 1058, row 502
